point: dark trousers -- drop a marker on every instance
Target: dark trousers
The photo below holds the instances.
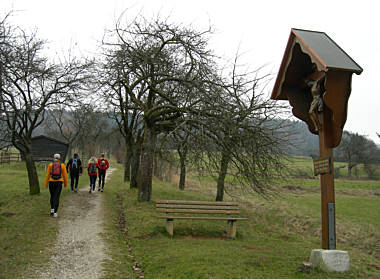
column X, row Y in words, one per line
column 102, row 177
column 92, row 181
column 55, row 188
column 74, row 179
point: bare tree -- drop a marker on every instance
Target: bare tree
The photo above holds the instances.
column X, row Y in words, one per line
column 94, row 128
column 116, row 80
column 351, row 150
column 30, row 85
column 239, row 136
column 180, row 140
column 356, row 149
column 182, row 143
column 162, row 61
column 60, row 123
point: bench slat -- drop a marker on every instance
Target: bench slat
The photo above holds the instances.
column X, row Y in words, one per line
column 197, row 211
column 195, row 202
column 202, row 218
column 195, row 206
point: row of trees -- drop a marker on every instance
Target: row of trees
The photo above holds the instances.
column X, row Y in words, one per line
column 84, row 128
column 31, row 84
column 162, row 85
column 165, row 88
column 356, row 149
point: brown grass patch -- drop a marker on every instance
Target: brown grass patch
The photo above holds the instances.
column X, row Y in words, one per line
column 7, row 214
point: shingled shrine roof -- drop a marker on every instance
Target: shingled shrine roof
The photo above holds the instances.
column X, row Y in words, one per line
column 322, row 50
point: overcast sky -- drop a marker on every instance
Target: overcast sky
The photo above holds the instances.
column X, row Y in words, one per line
column 259, row 28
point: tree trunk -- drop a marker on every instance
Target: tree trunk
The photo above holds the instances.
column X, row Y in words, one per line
column 349, row 168
column 127, row 162
column 182, row 176
column 69, row 151
column 135, row 164
column 146, row 166
column 157, row 172
column 34, row 185
column 222, row 175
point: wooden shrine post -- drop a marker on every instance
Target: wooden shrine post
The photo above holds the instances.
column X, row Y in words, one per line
column 327, row 184
column 315, row 77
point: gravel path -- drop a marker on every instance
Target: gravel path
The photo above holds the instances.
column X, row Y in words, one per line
column 79, row 250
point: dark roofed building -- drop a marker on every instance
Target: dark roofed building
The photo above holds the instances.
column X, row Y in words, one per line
column 43, row 148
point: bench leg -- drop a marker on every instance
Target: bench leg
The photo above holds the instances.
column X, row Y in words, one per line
column 231, row 228
column 169, row 226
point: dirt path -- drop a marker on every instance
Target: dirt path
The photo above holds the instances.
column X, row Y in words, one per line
column 79, row 250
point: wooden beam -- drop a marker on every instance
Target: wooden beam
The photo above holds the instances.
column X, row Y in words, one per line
column 170, row 226
column 197, row 211
column 201, row 218
column 327, row 180
column 231, row 229
column 195, row 206
column 194, row 202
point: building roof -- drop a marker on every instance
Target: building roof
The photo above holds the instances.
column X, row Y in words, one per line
column 323, row 52
column 330, row 54
column 52, row 139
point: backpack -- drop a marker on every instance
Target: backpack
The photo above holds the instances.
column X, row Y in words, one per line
column 102, row 162
column 56, row 170
column 92, row 168
column 74, row 163
column 74, row 166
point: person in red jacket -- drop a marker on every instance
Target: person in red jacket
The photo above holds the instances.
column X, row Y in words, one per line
column 92, row 173
column 102, row 165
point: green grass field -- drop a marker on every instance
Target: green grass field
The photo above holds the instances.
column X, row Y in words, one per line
column 277, row 237
column 26, row 228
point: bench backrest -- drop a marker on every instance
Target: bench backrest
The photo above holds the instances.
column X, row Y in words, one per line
column 197, row 207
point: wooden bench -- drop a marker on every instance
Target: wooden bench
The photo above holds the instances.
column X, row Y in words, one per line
column 199, row 210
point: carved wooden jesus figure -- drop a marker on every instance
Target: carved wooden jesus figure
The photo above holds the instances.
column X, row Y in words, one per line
column 316, row 105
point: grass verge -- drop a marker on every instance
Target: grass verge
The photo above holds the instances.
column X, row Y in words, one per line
column 27, row 230
column 278, row 236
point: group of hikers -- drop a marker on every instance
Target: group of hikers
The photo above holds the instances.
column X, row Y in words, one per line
column 56, row 175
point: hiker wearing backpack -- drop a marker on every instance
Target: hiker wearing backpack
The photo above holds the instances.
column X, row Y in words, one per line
column 102, row 165
column 74, row 166
column 55, row 174
column 92, row 173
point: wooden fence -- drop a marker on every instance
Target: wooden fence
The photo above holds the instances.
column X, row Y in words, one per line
column 8, row 157
column 11, row 157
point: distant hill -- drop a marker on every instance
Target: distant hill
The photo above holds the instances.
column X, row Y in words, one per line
column 303, row 143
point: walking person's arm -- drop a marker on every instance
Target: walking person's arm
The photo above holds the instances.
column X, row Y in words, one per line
column 48, row 171
column 68, row 165
column 80, row 167
column 64, row 174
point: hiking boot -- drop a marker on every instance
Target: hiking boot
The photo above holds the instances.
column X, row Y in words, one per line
column 52, row 211
column 90, row 191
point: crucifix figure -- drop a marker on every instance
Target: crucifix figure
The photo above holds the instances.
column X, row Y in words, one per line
column 316, row 105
